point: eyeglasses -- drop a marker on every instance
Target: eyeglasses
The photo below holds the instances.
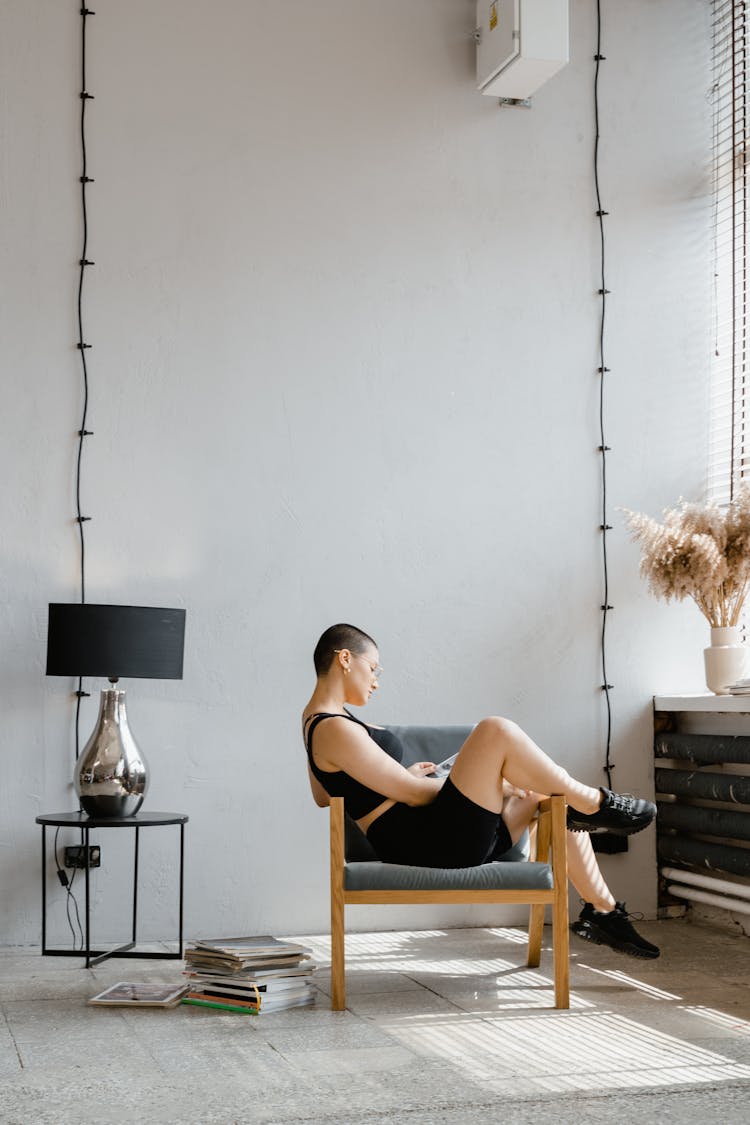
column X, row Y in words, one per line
column 377, row 671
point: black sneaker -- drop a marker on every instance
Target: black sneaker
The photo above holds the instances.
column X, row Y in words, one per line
column 614, row 929
column 619, row 813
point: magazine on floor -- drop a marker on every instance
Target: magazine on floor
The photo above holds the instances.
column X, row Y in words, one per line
column 249, row 974
column 265, row 945
column 136, row 995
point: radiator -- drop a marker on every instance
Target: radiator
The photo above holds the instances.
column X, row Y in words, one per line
column 703, row 796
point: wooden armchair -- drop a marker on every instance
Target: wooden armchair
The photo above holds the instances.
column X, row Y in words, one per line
column 369, row 881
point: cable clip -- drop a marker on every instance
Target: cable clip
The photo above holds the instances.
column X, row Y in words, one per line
column 87, row 12
column 82, row 346
column 600, row 58
column 85, row 433
column 604, row 448
column 605, row 608
column 84, row 95
column 601, row 292
column 82, row 519
column 82, row 694
column 607, row 687
column 85, row 262
column 605, row 527
column 86, row 180
column 601, row 371
column 600, row 214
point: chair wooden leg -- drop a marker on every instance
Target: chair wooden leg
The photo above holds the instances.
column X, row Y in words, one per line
column 338, row 969
column 338, row 963
column 536, row 925
column 560, row 935
column 561, row 946
column 536, row 919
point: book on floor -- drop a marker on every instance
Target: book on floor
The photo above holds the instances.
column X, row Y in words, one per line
column 216, row 963
column 257, row 1004
column 252, row 946
column 240, row 987
column 135, row 995
column 252, row 972
column 258, row 974
column 203, row 1002
column 246, row 953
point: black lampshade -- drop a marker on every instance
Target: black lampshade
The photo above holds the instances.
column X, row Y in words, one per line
column 115, row 641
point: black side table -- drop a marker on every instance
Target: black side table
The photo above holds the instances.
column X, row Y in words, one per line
column 86, row 823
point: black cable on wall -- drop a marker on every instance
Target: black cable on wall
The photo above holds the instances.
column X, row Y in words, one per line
column 605, row 527
column 83, row 264
column 603, row 842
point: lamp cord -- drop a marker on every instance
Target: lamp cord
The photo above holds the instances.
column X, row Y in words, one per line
column 604, row 449
column 69, row 896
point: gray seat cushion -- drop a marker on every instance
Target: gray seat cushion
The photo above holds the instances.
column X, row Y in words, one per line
column 379, row 876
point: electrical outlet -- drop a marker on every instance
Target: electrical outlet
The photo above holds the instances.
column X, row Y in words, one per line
column 75, row 856
column 606, row 844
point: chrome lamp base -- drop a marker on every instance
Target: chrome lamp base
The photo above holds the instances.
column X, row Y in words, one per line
column 111, row 774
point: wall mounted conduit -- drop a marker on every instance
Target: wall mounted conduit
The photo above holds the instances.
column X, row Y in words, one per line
column 83, row 265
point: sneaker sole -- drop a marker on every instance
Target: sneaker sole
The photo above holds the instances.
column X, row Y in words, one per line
column 584, row 930
column 629, row 830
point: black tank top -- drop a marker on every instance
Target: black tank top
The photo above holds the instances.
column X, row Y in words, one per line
column 359, row 800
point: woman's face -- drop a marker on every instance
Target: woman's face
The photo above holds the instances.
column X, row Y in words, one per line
column 362, row 677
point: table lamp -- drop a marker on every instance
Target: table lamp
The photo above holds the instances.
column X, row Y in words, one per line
column 113, row 641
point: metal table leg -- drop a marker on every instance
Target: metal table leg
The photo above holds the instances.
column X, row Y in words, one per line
column 182, row 883
column 135, row 885
column 88, row 904
column 44, row 889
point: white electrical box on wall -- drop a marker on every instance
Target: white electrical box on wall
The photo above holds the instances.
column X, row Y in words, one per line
column 520, row 44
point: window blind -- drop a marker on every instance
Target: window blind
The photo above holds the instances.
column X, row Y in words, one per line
column 729, row 441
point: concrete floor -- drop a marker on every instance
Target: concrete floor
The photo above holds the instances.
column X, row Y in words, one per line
column 442, row 1027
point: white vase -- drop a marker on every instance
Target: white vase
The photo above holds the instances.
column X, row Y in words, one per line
column 725, row 659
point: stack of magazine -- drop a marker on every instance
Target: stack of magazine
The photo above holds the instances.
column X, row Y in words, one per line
column 741, row 687
column 249, row 974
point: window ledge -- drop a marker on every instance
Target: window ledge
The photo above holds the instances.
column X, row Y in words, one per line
column 708, row 702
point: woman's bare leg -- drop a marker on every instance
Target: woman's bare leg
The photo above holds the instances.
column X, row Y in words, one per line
column 584, row 872
column 498, row 748
column 518, row 814
column 583, row 869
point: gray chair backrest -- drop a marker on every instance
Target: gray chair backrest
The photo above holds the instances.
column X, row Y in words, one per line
column 430, row 744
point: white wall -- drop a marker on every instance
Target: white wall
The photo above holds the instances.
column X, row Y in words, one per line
column 344, row 368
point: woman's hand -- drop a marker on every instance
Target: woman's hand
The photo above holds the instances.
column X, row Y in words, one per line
column 421, row 769
column 513, row 790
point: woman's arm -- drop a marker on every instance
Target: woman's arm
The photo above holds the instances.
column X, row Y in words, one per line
column 321, row 798
column 340, row 745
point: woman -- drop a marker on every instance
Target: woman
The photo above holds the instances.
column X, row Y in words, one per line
column 470, row 817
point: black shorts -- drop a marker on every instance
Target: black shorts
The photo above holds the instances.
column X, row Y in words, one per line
column 452, row 831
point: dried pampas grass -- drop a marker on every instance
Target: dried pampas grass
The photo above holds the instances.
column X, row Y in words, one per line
column 700, row 552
